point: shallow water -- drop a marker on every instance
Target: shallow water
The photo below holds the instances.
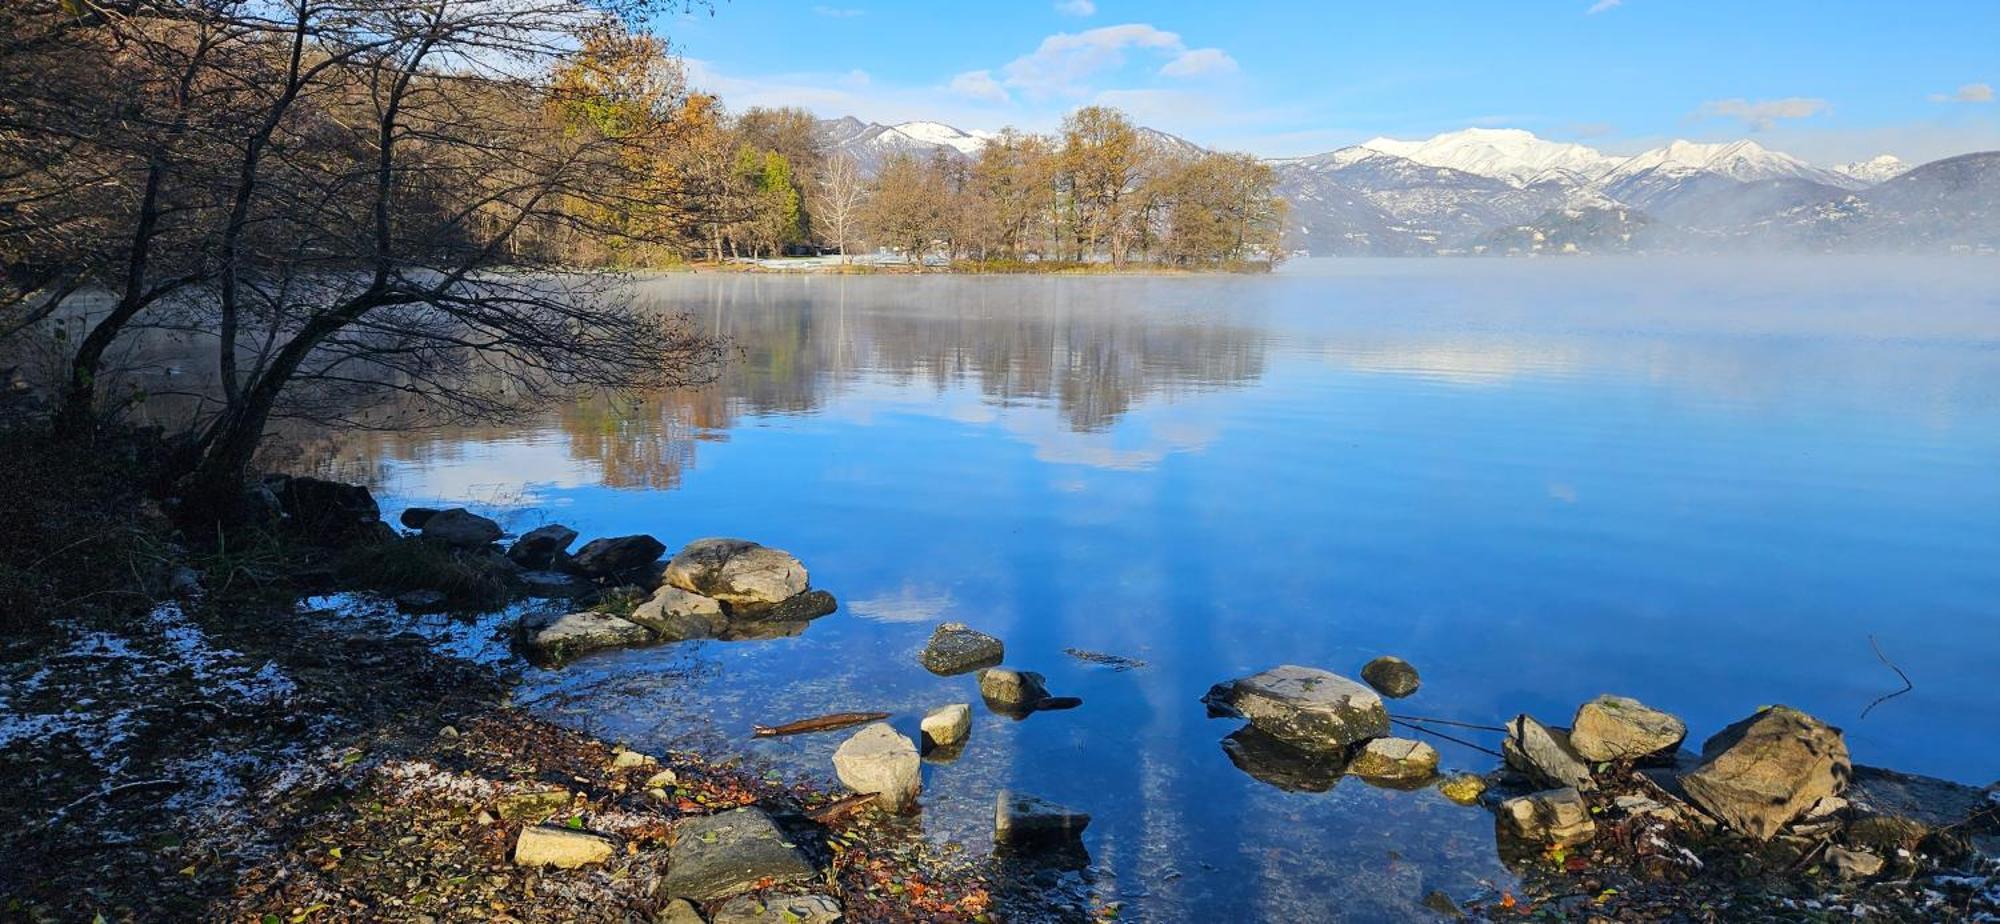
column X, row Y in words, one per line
column 1703, row 484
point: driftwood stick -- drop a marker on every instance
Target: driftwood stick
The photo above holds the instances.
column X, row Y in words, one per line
column 816, row 724
column 841, row 808
column 1432, row 731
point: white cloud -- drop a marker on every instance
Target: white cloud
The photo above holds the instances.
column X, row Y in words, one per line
column 1761, row 115
column 1602, row 5
column 1969, row 93
column 1200, row 62
column 979, row 85
column 1061, row 64
column 836, row 12
column 1076, row 8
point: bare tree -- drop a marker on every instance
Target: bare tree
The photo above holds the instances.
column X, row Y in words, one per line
column 839, row 201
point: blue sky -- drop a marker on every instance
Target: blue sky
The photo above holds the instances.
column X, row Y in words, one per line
column 1831, row 80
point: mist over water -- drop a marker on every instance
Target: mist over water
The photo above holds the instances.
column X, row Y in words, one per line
column 1702, row 483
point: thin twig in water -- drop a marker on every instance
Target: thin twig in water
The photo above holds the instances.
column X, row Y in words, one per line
column 1907, row 685
column 63, row 812
column 1452, row 722
column 1433, row 731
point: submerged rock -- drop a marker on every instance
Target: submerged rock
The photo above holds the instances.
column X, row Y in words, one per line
column 575, row 633
column 801, row 908
column 798, row 608
column 947, row 726
column 1307, row 707
column 1544, row 754
column 1556, row 818
column 616, row 555
column 674, row 615
column 1620, row 728
column 955, row 648
column 720, row 855
column 1391, row 676
column 877, row 759
column 1463, row 788
column 542, row 546
column 1275, row 763
column 1394, row 760
column 1768, row 769
column 736, row 571
column 461, row 528
column 563, row 848
column 1024, row 821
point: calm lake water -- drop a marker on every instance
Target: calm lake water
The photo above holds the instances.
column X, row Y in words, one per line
column 1703, row 484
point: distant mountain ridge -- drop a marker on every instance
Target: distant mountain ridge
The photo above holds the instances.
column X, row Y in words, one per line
column 1503, row 190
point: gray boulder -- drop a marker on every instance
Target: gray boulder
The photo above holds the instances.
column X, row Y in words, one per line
column 876, row 759
column 1391, row 676
column 569, row 635
column 736, row 571
column 1619, row 728
column 616, row 555
column 800, row 908
column 1544, row 754
column 955, row 648
column 717, row 856
column 461, row 528
column 675, row 615
column 1303, row 706
column 1023, row 821
column 1394, row 760
column 1556, row 818
column 1768, row 769
column 540, row 547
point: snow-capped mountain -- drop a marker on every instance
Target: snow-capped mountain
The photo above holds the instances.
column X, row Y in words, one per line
column 1507, row 154
column 1874, row 170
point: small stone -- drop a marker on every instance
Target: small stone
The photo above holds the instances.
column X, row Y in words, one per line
column 612, row 556
column 1544, row 754
column 448, row 732
column 540, row 547
column 678, row 911
column 1760, row 773
column 1391, row 676
column 1557, row 818
column 532, row 805
column 876, row 759
column 1394, row 760
column 626, row 760
column 1620, row 728
column 946, row 726
column 1463, row 788
column 1021, row 820
column 461, row 528
column 484, row 817
column 955, row 648
column 1304, row 707
column 564, row 848
column 1853, row 864
column 806, row 908
column 1011, row 688
column 675, row 615
column 662, row 779
column 720, row 855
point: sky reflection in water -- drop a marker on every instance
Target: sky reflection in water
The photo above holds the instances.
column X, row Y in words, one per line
column 1700, row 484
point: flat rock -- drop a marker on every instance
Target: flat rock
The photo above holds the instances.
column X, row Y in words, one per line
column 1304, row 706
column 947, row 726
column 776, row 908
column 614, row 555
column 1021, row 820
column 720, row 855
column 736, row 571
column 564, row 848
column 879, row 760
column 1557, row 818
column 1544, row 754
column 1620, row 728
column 461, row 528
column 1391, row 676
column 1395, row 760
column 1762, row 772
column 955, row 648
column 539, row 547
column 575, row 633
column 675, row 615
column 1011, row 689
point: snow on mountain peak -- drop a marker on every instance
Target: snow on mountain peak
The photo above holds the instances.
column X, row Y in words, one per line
column 1510, row 154
column 1745, row 161
column 1878, row 169
column 940, row 134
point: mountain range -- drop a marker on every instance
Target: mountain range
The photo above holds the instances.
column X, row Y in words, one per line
column 1506, row 191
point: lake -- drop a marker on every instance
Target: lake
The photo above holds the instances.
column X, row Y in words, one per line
column 1704, row 484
